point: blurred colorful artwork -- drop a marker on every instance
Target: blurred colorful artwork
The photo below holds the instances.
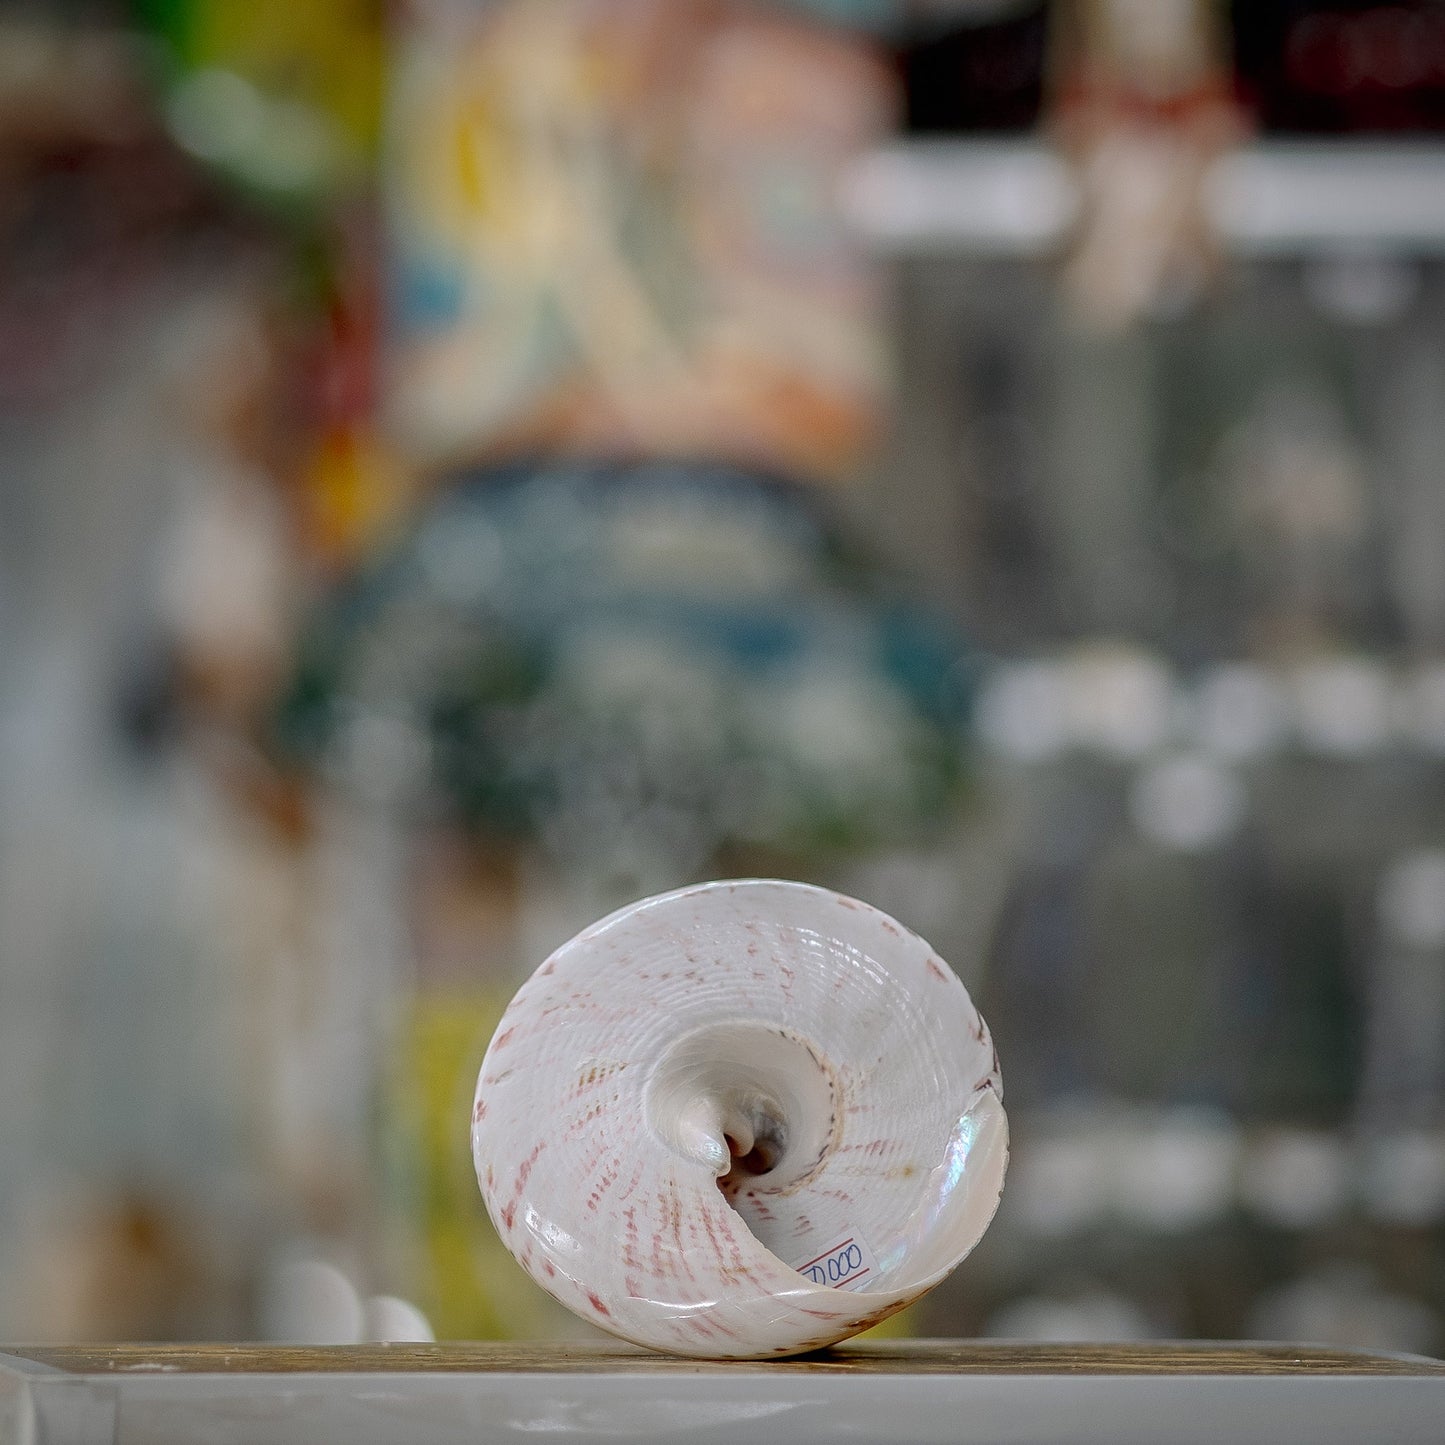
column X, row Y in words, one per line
column 614, row 231
column 285, row 99
column 638, row 667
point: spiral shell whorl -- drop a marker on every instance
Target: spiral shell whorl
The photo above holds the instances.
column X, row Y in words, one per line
column 709, row 1090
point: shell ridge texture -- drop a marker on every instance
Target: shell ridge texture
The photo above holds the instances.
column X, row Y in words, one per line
column 741, row 1120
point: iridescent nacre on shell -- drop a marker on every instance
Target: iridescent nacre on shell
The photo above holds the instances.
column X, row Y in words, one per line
column 741, row 1120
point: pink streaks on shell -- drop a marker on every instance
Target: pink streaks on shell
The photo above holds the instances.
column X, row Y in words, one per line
column 628, row 1230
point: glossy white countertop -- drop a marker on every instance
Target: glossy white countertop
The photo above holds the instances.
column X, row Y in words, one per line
column 905, row 1391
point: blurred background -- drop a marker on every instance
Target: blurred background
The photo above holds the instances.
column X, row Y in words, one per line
column 466, row 465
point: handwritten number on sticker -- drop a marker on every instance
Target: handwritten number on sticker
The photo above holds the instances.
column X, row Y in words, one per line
column 841, row 1265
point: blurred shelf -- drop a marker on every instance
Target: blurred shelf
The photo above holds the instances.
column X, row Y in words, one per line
column 986, row 197
column 1019, row 198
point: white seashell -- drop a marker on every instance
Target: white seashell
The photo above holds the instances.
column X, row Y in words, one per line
column 740, row 1120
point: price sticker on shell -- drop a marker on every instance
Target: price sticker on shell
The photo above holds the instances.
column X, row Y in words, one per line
column 848, row 1264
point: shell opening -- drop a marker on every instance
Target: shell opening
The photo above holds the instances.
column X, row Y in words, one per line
column 753, row 1160
column 753, row 1103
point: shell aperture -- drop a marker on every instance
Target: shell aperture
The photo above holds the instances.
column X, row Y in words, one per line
column 740, row 1120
